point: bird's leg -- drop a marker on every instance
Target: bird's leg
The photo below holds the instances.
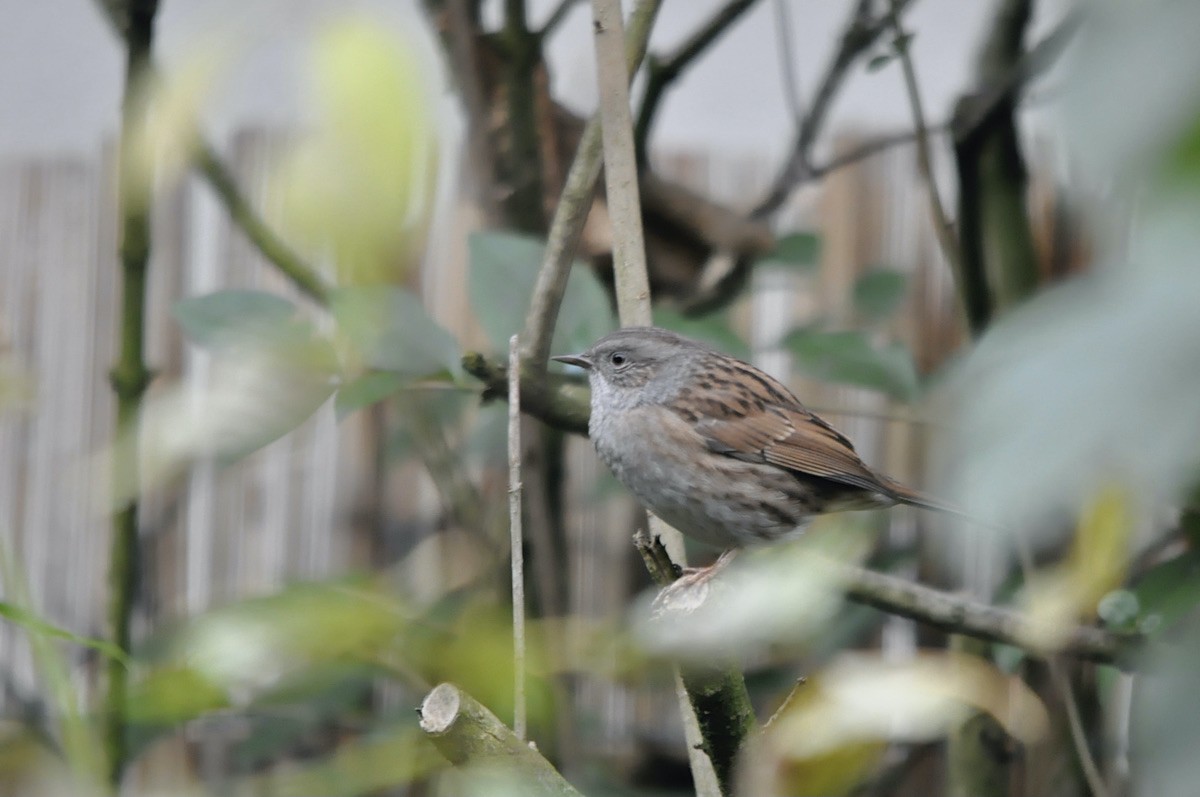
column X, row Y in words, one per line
column 690, row 590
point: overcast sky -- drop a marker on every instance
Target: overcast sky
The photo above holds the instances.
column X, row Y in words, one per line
column 60, row 67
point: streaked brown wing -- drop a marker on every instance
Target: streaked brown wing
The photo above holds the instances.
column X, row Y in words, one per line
column 777, row 429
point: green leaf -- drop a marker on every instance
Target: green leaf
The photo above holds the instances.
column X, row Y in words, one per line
column 711, row 329
column 801, row 249
column 504, row 267
column 173, row 695
column 366, row 390
column 849, row 358
column 879, row 292
column 36, row 625
column 1168, row 592
column 394, row 332
column 225, row 318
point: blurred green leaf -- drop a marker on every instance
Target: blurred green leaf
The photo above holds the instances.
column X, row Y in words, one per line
column 366, row 390
column 879, row 292
column 394, row 332
column 36, row 625
column 174, row 695
column 802, row 249
column 712, row 329
column 878, row 62
column 1168, row 592
column 849, row 358
column 250, row 647
column 504, row 267
column 232, row 317
column 357, row 186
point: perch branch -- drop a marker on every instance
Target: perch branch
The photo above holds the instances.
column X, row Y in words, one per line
column 719, row 697
column 572, row 209
column 467, row 734
column 662, row 72
column 130, row 377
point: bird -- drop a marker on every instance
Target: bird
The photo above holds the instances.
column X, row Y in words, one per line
column 717, row 448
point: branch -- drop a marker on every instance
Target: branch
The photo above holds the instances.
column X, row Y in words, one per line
column 515, row 538
column 620, row 167
column 551, row 398
column 662, row 72
column 958, row 615
column 466, row 733
column 258, row 232
column 983, row 106
column 858, row 36
column 999, row 264
column 572, row 209
column 130, row 378
column 941, row 222
column 719, row 697
column 556, row 17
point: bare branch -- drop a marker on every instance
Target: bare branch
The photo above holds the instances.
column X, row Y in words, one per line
column 268, row 243
column 859, row 35
column 556, row 17
column 872, row 147
column 662, row 72
column 572, row 210
column 620, row 167
column 957, row 614
column 941, row 222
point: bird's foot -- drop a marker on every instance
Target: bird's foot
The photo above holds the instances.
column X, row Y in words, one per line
column 688, row 592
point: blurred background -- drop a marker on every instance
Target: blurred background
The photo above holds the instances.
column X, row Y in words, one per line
column 259, row 265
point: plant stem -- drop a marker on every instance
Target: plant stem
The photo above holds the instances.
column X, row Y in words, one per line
column 130, row 377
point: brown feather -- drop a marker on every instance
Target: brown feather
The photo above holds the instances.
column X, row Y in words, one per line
column 777, row 429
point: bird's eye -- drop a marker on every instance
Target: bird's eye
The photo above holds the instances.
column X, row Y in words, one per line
column 618, row 358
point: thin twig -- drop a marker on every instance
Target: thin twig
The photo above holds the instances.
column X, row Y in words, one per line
column 662, row 72
column 870, row 148
column 268, row 243
column 941, row 222
column 515, row 536
column 857, row 38
column 556, row 17
column 787, row 61
column 571, row 212
column 1062, row 684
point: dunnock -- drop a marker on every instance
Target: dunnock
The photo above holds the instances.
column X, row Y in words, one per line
column 715, row 447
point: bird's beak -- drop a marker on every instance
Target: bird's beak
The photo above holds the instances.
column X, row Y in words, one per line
column 574, row 359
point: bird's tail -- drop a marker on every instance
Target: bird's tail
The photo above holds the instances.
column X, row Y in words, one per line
column 906, row 495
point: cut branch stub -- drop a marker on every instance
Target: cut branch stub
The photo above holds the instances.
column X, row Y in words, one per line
column 469, row 735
